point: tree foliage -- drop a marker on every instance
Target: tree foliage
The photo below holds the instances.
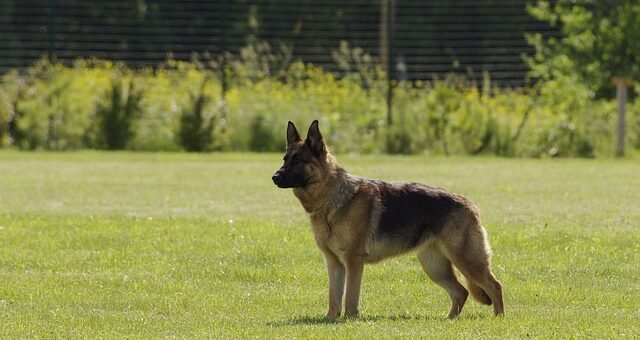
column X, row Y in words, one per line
column 599, row 39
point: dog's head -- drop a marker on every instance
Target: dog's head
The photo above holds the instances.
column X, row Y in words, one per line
column 303, row 161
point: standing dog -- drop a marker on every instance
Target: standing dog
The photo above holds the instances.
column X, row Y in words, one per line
column 357, row 220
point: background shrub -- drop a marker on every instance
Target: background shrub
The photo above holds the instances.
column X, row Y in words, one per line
column 196, row 123
column 116, row 113
column 98, row 104
column 10, row 94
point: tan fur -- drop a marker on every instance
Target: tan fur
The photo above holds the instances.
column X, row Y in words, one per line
column 344, row 211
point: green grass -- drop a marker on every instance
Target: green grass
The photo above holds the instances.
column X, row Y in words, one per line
column 164, row 245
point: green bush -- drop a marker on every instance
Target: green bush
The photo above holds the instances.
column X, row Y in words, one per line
column 263, row 138
column 196, row 124
column 117, row 112
column 98, row 104
column 52, row 106
column 54, row 111
column 10, row 93
column 633, row 122
column 169, row 93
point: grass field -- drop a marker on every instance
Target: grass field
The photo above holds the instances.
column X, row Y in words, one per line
column 164, row 245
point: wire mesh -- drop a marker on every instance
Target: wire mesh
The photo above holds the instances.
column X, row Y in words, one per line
column 429, row 38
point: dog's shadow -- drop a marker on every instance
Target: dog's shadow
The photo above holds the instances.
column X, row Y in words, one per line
column 322, row 320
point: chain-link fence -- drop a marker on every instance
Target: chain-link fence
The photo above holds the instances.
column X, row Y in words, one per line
column 419, row 39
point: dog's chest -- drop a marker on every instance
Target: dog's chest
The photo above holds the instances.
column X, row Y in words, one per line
column 333, row 236
column 341, row 241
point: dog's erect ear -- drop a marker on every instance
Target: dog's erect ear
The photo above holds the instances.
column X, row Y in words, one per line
column 314, row 139
column 293, row 136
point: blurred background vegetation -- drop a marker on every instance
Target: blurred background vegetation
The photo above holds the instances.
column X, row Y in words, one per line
column 241, row 100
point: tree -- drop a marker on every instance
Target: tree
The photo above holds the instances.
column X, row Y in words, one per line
column 598, row 40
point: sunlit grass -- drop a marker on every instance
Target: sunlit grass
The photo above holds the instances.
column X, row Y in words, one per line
column 153, row 245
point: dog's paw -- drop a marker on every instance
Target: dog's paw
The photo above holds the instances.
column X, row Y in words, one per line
column 351, row 314
column 331, row 316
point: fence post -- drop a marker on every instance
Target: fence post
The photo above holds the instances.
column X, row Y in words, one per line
column 391, row 12
column 51, row 31
column 52, row 124
column 383, row 41
column 223, row 61
column 621, row 96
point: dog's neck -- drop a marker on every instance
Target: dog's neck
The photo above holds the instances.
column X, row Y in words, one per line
column 335, row 189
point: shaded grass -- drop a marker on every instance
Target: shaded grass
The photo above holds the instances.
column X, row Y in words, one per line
column 154, row 245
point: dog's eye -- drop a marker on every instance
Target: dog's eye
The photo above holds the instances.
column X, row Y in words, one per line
column 296, row 160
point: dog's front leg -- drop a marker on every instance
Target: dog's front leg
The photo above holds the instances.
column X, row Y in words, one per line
column 354, row 265
column 336, row 273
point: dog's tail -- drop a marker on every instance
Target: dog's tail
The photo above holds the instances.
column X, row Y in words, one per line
column 478, row 293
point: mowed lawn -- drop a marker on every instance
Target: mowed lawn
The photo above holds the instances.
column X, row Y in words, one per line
column 180, row 245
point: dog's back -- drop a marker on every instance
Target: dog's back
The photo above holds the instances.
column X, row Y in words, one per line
column 411, row 212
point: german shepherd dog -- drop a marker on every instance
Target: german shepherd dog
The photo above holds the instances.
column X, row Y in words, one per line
column 357, row 220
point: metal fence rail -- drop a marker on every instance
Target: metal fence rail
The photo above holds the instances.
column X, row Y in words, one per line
column 430, row 38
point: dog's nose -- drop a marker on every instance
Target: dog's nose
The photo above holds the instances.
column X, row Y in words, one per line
column 276, row 177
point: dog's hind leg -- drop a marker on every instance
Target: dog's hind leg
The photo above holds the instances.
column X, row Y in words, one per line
column 473, row 262
column 439, row 269
column 480, row 274
column 478, row 293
